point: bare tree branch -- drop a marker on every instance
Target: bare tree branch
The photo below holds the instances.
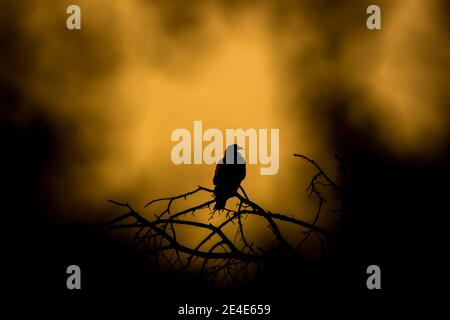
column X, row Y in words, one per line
column 224, row 259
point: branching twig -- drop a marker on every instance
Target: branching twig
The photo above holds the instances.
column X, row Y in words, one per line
column 223, row 258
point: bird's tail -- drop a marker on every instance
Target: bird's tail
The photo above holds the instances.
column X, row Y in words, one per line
column 220, row 203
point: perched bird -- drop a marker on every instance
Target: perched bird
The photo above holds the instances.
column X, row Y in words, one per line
column 230, row 171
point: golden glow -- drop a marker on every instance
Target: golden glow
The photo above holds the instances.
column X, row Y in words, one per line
column 140, row 69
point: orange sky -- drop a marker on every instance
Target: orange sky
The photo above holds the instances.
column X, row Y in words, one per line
column 138, row 70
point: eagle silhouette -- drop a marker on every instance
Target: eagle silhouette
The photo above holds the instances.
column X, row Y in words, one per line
column 230, row 171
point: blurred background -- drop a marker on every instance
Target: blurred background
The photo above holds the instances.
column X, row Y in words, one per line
column 87, row 115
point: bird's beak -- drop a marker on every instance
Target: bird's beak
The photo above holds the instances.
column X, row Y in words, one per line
column 239, row 148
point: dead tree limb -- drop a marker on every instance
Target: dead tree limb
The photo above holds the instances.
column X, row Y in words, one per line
column 222, row 256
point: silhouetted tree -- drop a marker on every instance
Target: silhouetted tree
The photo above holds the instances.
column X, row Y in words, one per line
column 227, row 258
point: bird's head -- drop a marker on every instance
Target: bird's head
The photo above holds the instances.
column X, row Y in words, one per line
column 233, row 148
column 232, row 154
